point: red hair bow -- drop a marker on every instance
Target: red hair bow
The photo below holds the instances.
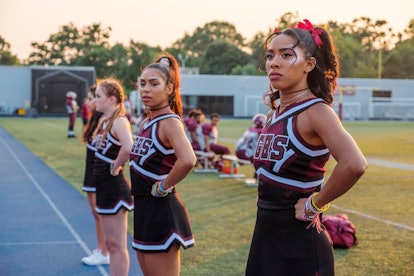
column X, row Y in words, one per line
column 309, row 27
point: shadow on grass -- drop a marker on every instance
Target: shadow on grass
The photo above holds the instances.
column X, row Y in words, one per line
column 340, row 252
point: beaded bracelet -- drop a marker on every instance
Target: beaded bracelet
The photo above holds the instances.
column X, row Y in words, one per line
column 309, row 213
column 320, row 210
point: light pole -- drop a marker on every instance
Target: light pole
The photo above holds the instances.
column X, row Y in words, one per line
column 380, row 63
column 182, row 59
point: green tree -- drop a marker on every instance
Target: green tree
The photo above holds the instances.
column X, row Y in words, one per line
column 399, row 63
column 220, row 57
column 354, row 60
column 139, row 55
column 70, row 44
column 6, row 56
column 59, row 49
column 257, row 48
column 248, row 70
column 194, row 45
column 409, row 31
column 287, row 20
column 256, row 44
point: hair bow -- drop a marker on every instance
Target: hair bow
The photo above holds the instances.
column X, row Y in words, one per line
column 309, row 27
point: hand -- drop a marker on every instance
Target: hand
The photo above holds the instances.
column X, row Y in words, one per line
column 114, row 171
column 155, row 191
column 300, row 209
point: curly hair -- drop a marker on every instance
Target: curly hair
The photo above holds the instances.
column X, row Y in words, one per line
column 322, row 80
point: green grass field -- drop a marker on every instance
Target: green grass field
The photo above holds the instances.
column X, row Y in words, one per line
column 222, row 211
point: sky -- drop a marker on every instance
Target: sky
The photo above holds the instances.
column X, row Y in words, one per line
column 162, row 22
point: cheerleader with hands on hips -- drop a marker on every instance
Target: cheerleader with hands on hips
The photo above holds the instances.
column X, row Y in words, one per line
column 113, row 141
column 300, row 135
column 160, row 158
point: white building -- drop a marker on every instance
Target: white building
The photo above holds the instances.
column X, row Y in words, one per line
column 230, row 96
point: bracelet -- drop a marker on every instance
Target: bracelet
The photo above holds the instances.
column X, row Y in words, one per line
column 156, row 193
column 161, row 188
column 321, row 210
column 309, row 212
column 111, row 168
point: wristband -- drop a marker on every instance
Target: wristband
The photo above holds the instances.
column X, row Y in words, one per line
column 309, row 213
column 320, row 210
column 155, row 192
column 161, row 188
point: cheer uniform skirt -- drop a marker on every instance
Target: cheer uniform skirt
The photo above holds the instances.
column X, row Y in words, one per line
column 88, row 179
column 160, row 223
column 281, row 245
column 112, row 193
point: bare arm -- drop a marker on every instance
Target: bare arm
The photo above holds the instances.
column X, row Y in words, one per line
column 172, row 133
column 351, row 164
column 121, row 129
column 194, row 137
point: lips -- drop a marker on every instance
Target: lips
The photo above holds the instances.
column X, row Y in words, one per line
column 145, row 98
column 274, row 76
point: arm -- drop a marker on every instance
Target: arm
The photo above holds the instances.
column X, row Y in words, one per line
column 75, row 106
column 192, row 127
column 207, row 142
column 322, row 126
column 194, row 137
column 206, row 130
column 172, row 134
column 122, row 131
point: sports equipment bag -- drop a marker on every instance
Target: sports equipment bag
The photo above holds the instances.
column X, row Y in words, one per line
column 341, row 230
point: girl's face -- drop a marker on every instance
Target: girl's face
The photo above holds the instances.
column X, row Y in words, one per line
column 154, row 90
column 90, row 101
column 287, row 66
column 102, row 101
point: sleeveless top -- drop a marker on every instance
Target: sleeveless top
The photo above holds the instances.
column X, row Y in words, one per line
column 288, row 168
column 150, row 160
column 106, row 151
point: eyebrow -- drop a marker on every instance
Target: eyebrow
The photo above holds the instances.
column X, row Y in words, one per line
column 280, row 49
column 151, row 79
column 286, row 48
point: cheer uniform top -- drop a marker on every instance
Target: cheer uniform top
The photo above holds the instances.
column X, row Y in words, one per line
column 158, row 222
column 191, row 126
column 112, row 192
column 288, row 169
column 246, row 145
column 88, row 181
column 210, row 131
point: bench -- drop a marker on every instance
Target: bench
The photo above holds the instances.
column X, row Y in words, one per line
column 234, row 161
column 204, row 158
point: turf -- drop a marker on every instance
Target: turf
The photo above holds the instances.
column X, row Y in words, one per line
column 222, row 211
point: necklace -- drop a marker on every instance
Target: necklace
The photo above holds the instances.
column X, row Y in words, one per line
column 300, row 95
column 159, row 108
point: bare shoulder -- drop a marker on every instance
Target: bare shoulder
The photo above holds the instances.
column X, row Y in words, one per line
column 321, row 112
column 171, row 125
column 121, row 124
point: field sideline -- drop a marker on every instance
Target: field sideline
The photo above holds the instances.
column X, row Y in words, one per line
column 222, row 211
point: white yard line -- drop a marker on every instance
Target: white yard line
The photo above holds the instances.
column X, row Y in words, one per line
column 52, row 205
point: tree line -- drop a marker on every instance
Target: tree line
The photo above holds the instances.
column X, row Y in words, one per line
column 366, row 48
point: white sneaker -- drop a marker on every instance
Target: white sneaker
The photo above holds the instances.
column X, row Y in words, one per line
column 97, row 258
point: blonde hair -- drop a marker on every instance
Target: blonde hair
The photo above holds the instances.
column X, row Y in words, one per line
column 111, row 87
